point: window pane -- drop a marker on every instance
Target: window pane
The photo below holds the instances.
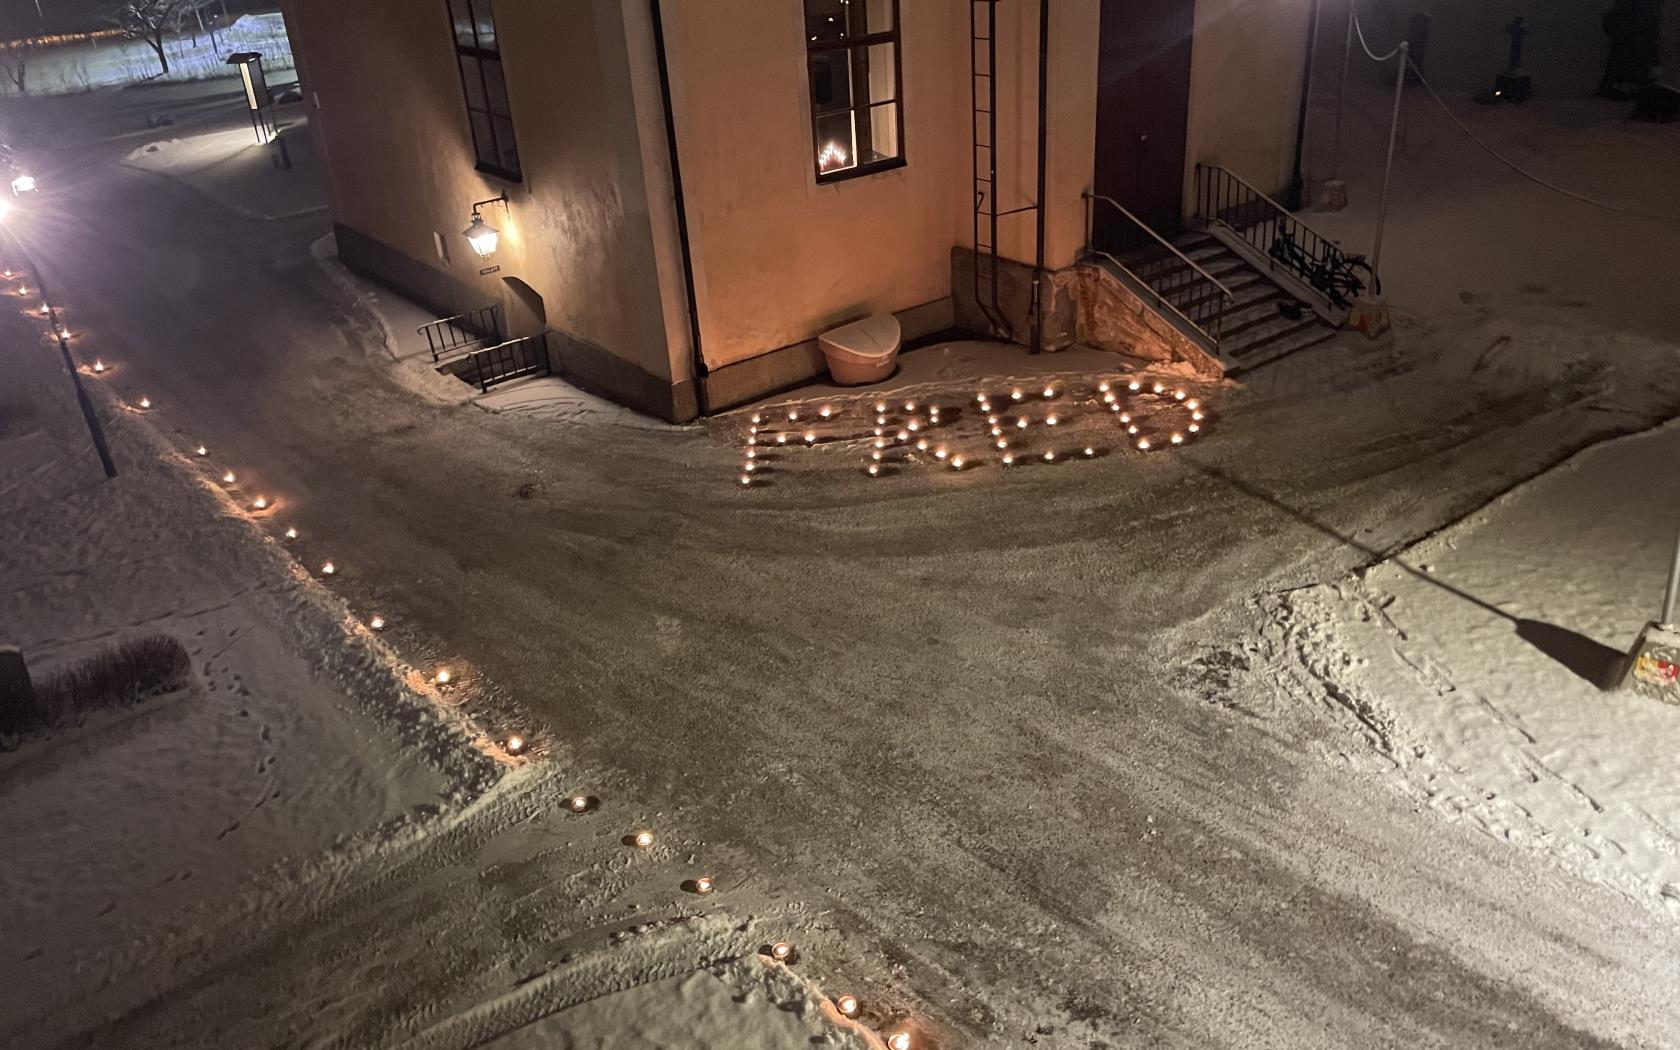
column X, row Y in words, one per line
column 484, row 144
column 460, row 12
column 496, row 88
column 831, row 80
column 883, row 131
column 882, row 70
column 836, row 145
column 486, row 22
column 827, row 20
column 507, row 157
column 473, row 83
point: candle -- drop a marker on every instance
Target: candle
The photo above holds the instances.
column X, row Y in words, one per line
column 578, row 803
column 874, row 470
column 328, row 569
column 443, row 676
column 703, row 884
column 228, row 479
column 98, row 365
column 1143, row 444
column 643, row 839
column 377, row 623
column 515, row 745
column 1178, row 439
column 291, row 532
column 825, row 411
column 1049, row 457
column 1049, row 392
column 781, row 950
column 145, row 402
column 956, row 462
column 899, row 1041
column 847, row 1005
column 261, row 503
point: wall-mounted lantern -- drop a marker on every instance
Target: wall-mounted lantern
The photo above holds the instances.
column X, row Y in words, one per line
column 481, row 235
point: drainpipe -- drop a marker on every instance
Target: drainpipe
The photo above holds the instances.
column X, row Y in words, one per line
column 1043, row 149
column 699, row 359
column 1297, row 183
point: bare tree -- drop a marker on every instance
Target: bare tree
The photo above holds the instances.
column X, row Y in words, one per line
column 14, row 62
column 145, row 20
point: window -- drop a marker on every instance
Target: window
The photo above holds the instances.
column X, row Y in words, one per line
column 856, row 124
column 481, row 79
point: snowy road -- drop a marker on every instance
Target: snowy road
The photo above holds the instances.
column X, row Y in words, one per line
column 979, row 727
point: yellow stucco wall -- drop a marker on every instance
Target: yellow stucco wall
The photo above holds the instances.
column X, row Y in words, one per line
column 393, row 125
column 1245, row 89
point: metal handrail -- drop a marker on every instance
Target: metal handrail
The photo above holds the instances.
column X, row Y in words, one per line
column 490, row 365
column 1225, row 198
column 461, row 331
column 1160, row 300
column 1245, row 184
column 1168, row 245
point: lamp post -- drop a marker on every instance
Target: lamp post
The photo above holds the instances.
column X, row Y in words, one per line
column 1369, row 313
column 1298, row 182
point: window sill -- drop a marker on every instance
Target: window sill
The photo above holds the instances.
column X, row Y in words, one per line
column 499, row 173
column 873, row 168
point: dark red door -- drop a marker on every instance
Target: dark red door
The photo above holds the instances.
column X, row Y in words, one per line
column 1143, row 106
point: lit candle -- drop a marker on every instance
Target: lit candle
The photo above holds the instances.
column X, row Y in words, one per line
column 1125, row 417
column 1158, row 387
column 749, row 466
column 903, row 435
column 913, row 426
column 328, row 569
column 443, row 676
column 1108, row 399
column 1196, row 416
column 228, row 478
column 1049, row 457
column 1021, row 424
column 793, row 415
column 979, row 399
column 1194, row 427
column 752, row 453
column 1089, row 451
column 377, row 623
column 1178, row 439
column 1016, row 394
column 997, row 431
column 1192, row 403
column 880, row 442
column 956, row 462
column 909, row 406
column 825, row 411
column 781, row 950
column 1134, row 385
column 758, row 418
column 746, row 479
column 875, row 455
column 291, row 532
column 261, row 503
column 781, row 439
column 881, row 420
column 1178, row 395
column 1143, row 444
column 922, row 444
column 98, row 365
column 810, row 437
column 993, row 420
column 880, row 406
column 1002, row 443
column 515, row 745
column 847, row 1005
column 643, row 839
column 201, row 450
column 1049, row 392
column 899, row 1041
column 703, row 884
column 578, row 803
column 940, row 453
column 1051, row 420
column 874, row 469
column 145, row 402
column 752, row 441
column 1103, row 386
column 1009, row 459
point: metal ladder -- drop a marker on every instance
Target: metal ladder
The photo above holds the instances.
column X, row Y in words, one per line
column 983, row 88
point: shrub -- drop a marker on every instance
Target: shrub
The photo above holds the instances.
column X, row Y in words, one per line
column 126, row 673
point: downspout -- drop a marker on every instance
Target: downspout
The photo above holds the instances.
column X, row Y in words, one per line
column 1297, row 182
column 699, row 359
column 1043, row 149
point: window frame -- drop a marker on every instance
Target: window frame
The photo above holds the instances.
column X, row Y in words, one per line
column 481, row 55
column 851, row 46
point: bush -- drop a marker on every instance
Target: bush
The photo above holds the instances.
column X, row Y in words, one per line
column 126, row 673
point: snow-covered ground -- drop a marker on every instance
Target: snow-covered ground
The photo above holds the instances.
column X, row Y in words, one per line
column 1001, row 752
column 236, row 171
column 1473, row 662
column 73, row 68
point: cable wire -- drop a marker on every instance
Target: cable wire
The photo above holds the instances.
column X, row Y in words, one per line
column 1360, row 30
column 1530, row 176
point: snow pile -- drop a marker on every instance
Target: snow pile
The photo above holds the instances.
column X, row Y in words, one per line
column 1472, row 662
column 115, row 62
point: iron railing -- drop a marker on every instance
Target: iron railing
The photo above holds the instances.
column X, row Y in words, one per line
column 490, row 365
column 1274, row 232
column 467, row 331
column 1176, row 282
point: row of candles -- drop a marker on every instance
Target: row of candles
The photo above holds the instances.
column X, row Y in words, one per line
column 906, row 425
column 261, row 505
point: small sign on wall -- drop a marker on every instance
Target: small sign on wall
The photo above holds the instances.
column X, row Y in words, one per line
column 488, row 270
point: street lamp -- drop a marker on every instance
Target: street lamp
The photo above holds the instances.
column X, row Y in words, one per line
column 481, row 235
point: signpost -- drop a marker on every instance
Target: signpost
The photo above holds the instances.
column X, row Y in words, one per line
column 257, row 97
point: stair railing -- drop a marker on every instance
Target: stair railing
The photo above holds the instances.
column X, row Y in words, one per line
column 465, row 331
column 1287, row 243
column 1184, row 288
column 490, row 365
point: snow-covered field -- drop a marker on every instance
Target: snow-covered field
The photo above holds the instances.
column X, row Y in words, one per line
column 74, row 68
column 1473, row 662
